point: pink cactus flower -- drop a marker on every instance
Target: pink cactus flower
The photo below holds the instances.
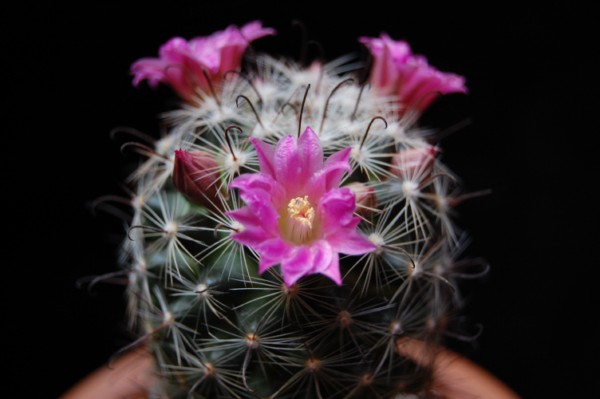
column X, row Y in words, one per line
column 186, row 65
column 396, row 71
column 296, row 215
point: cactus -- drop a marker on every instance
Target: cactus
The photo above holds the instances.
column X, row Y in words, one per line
column 293, row 224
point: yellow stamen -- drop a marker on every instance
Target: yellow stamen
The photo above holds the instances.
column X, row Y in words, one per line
column 300, row 210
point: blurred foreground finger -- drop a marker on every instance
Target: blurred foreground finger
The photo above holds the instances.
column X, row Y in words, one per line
column 455, row 376
column 129, row 377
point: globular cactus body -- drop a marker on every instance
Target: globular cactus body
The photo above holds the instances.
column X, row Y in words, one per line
column 293, row 225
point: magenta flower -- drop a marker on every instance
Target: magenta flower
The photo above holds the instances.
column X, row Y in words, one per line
column 185, row 65
column 296, row 215
column 396, row 71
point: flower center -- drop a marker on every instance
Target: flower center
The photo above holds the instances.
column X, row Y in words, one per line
column 301, row 211
column 300, row 220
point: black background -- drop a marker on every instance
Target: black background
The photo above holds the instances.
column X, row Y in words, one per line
column 532, row 74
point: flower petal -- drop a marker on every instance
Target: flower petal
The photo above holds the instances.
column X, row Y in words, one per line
column 255, row 181
column 350, row 242
column 272, row 252
column 325, row 261
column 322, row 256
column 384, row 74
column 335, row 166
column 296, row 266
column 265, row 156
column 151, row 69
column 254, row 30
column 259, row 203
column 336, row 209
column 288, row 165
column 263, row 182
column 174, row 51
column 333, row 269
column 330, row 175
column 173, row 67
column 244, row 215
column 311, row 154
column 251, row 236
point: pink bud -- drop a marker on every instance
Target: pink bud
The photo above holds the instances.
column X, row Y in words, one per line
column 365, row 198
column 414, row 162
column 196, row 176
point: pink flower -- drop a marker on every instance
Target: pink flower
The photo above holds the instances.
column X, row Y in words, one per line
column 183, row 65
column 396, row 71
column 296, row 214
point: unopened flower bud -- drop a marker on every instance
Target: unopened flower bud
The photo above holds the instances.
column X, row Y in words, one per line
column 196, row 176
column 365, row 198
column 414, row 162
